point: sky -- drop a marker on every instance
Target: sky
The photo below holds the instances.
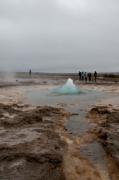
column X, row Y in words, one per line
column 59, row 35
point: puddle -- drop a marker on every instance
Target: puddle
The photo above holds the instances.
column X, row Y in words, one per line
column 96, row 154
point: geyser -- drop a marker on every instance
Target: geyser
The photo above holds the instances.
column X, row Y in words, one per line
column 68, row 88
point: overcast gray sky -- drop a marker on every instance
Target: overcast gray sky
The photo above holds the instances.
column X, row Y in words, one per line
column 59, row 35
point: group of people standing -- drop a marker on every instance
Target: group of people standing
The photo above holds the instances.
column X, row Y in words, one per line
column 84, row 76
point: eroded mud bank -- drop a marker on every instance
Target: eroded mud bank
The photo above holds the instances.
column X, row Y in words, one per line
column 107, row 131
column 30, row 145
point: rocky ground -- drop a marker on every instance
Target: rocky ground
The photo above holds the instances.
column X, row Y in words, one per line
column 34, row 145
column 30, row 145
column 107, row 131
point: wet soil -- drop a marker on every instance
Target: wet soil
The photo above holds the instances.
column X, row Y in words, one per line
column 107, row 132
column 30, row 145
column 34, row 145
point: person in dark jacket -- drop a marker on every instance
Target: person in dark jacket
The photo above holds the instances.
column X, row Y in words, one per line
column 82, row 76
column 89, row 76
column 85, row 76
column 79, row 75
column 30, row 72
column 95, row 76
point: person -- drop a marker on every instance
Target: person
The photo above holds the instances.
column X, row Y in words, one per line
column 95, row 76
column 85, row 76
column 89, row 76
column 79, row 75
column 30, row 72
column 82, row 76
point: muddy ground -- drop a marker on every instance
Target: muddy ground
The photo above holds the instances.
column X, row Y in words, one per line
column 30, row 145
column 107, row 132
column 35, row 145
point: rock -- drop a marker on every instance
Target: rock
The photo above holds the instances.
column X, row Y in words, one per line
column 100, row 110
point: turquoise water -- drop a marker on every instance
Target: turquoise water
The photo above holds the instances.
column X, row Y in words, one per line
column 39, row 96
column 68, row 88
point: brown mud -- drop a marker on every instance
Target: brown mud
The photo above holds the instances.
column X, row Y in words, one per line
column 30, row 147
column 34, row 145
column 107, row 132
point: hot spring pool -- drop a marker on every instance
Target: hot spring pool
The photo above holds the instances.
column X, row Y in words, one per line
column 47, row 96
column 68, row 94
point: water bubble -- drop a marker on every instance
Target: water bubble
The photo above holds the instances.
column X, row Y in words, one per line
column 68, row 88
